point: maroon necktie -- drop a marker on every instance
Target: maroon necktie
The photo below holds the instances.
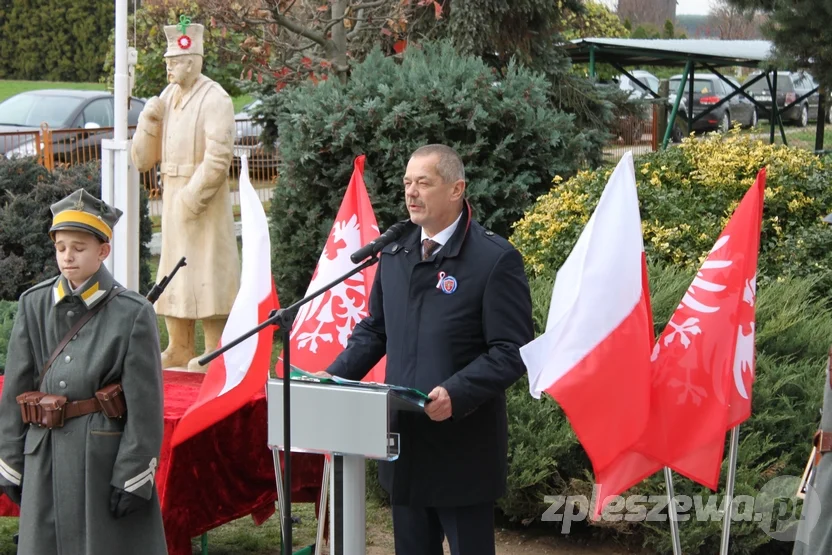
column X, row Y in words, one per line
column 429, row 247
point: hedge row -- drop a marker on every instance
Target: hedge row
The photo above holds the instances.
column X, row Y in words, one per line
column 54, row 40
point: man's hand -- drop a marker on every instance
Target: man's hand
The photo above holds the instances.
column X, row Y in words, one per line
column 439, row 408
column 154, row 110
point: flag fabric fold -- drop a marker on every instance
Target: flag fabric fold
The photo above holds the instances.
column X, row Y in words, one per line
column 324, row 325
column 234, row 377
column 594, row 356
column 704, row 360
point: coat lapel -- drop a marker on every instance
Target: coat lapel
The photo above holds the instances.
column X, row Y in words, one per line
column 452, row 248
column 91, row 294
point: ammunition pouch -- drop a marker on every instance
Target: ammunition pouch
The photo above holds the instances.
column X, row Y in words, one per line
column 111, row 399
column 52, row 411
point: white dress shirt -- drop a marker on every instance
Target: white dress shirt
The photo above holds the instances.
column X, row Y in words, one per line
column 442, row 237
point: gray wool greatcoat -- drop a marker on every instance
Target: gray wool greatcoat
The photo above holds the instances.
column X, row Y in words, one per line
column 67, row 473
column 817, row 510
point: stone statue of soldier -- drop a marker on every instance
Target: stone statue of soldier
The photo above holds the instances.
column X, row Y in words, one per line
column 190, row 130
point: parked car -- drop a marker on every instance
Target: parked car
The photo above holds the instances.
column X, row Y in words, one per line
column 81, row 112
column 790, row 87
column 247, row 142
column 636, row 89
column 708, row 90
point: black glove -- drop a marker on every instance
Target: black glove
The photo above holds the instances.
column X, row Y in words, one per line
column 14, row 493
column 123, row 503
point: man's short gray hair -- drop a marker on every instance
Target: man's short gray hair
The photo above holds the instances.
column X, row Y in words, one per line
column 449, row 166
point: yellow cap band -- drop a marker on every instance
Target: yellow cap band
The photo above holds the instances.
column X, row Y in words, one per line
column 79, row 217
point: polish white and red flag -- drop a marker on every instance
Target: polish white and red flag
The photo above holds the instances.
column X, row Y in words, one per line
column 234, row 377
column 324, row 325
column 704, row 361
column 594, row 356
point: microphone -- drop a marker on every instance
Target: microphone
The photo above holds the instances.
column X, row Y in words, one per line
column 373, row 247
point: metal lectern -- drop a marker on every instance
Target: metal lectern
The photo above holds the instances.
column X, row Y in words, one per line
column 350, row 422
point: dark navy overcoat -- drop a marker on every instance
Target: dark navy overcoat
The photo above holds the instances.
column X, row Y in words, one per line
column 457, row 319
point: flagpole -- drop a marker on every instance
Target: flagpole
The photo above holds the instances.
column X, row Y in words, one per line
column 322, row 510
column 671, row 510
column 286, row 328
column 729, row 489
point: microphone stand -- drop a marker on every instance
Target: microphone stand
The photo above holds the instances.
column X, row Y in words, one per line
column 284, row 318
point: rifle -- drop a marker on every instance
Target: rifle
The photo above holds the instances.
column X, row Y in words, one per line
column 159, row 288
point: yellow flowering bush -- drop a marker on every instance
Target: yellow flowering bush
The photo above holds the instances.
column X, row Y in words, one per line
column 687, row 194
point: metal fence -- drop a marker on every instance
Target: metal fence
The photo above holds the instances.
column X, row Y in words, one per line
column 636, row 134
column 67, row 147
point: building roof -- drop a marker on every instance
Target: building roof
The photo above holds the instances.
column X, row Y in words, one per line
column 671, row 52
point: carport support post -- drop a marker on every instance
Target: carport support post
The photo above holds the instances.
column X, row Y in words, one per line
column 821, row 118
column 774, row 112
column 679, row 92
column 119, row 177
column 690, row 97
column 592, row 61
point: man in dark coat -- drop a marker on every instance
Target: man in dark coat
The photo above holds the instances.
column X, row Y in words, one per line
column 450, row 307
column 84, row 476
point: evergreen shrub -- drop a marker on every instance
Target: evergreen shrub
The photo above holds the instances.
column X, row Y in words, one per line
column 27, row 191
column 54, row 40
column 510, row 138
column 8, row 310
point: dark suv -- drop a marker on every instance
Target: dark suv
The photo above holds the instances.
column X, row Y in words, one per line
column 708, row 89
column 790, row 87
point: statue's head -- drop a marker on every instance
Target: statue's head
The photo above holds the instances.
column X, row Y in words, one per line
column 183, row 70
column 184, row 53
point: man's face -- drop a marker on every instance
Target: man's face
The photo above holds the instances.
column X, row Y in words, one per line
column 79, row 255
column 179, row 67
column 431, row 202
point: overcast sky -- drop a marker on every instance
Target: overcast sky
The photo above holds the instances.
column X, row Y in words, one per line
column 698, row 7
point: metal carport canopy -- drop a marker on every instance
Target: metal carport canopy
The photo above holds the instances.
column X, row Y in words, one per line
column 670, row 52
column 688, row 53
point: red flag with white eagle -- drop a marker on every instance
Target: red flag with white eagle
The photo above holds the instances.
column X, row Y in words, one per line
column 242, row 371
column 323, row 326
column 704, row 360
column 594, row 357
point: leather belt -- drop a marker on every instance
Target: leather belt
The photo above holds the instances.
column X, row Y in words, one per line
column 823, row 441
column 81, row 408
column 51, row 411
column 177, row 170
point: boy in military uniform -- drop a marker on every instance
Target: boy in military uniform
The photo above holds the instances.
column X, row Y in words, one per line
column 81, row 410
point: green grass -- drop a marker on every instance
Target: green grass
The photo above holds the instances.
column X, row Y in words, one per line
column 805, row 138
column 243, row 537
column 240, row 101
column 11, row 88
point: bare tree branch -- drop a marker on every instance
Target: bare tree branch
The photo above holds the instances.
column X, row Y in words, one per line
column 358, row 24
column 289, row 7
column 367, row 5
column 301, row 48
column 299, row 29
